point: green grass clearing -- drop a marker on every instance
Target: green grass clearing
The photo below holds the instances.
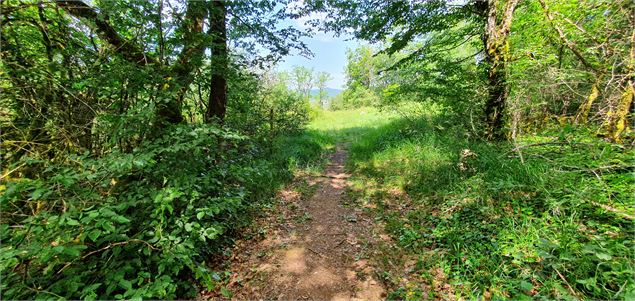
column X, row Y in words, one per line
column 471, row 215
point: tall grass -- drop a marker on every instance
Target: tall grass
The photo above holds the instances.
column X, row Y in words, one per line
column 303, row 151
column 474, row 216
column 348, row 126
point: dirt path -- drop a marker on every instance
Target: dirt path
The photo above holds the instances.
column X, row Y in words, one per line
column 313, row 246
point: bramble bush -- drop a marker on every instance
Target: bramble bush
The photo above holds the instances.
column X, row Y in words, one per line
column 130, row 225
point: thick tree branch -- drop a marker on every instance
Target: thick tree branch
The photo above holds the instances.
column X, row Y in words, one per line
column 193, row 44
column 508, row 15
column 563, row 37
column 127, row 49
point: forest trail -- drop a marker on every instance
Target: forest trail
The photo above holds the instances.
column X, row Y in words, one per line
column 313, row 245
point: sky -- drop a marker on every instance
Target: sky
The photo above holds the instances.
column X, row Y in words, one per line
column 329, row 54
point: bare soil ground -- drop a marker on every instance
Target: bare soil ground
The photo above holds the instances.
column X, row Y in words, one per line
column 314, row 247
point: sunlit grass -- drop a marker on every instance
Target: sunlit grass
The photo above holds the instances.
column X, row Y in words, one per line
column 349, row 125
column 474, row 215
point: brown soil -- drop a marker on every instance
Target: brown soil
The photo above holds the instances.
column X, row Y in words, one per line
column 313, row 247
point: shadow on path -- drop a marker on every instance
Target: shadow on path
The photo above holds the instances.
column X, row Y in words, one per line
column 313, row 247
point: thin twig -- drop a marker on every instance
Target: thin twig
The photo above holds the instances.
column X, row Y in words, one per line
column 119, row 244
column 108, row 247
column 11, row 171
column 614, row 210
column 567, row 283
column 317, row 253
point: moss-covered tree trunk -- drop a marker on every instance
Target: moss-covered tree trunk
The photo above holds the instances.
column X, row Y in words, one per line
column 497, row 94
column 618, row 118
column 497, row 53
column 188, row 59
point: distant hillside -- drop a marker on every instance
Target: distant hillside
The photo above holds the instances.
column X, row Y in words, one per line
column 331, row 92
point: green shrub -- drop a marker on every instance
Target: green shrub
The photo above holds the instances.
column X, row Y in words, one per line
column 358, row 96
column 129, row 225
column 266, row 110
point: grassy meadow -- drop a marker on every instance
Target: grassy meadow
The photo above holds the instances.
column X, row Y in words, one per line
column 548, row 217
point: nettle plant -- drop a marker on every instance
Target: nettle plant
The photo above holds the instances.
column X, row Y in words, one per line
column 128, row 225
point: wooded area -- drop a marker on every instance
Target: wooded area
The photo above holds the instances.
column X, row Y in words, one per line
column 492, row 141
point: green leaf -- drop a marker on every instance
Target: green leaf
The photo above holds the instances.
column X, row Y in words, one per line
column 588, row 283
column 629, row 295
column 106, row 212
column 89, row 292
column 225, row 292
column 121, row 219
column 74, row 251
column 200, row 215
column 526, row 286
column 71, row 222
column 603, row 256
column 127, row 285
column 38, row 193
column 108, row 226
column 94, row 234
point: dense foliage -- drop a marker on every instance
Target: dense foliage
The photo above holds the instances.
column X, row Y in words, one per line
column 138, row 137
column 565, row 61
column 127, row 225
column 130, row 154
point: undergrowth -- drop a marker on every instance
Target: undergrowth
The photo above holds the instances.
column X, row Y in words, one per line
column 139, row 224
column 555, row 224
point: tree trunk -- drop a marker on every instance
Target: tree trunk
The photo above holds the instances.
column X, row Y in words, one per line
column 618, row 121
column 497, row 53
column 496, row 99
column 322, row 97
column 161, row 35
column 218, row 84
column 191, row 55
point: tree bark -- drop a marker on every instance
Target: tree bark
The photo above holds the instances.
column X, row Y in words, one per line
column 497, row 53
column 497, row 98
column 217, row 103
column 618, row 121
